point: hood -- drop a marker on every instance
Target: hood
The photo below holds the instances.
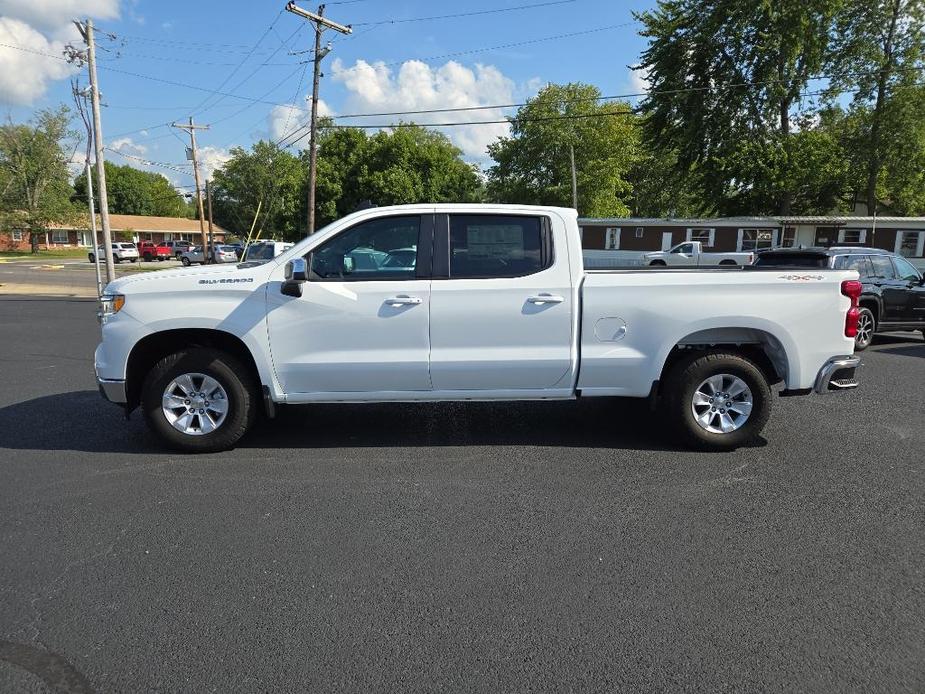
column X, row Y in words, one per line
column 187, row 277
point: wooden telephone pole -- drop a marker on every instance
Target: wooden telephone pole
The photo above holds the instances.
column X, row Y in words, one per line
column 321, row 23
column 194, row 155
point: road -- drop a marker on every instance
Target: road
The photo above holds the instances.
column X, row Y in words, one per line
column 64, row 277
column 493, row 547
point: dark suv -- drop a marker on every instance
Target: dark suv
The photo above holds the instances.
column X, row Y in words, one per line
column 893, row 296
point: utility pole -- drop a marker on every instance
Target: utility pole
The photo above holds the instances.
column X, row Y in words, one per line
column 193, row 154
column 321, row 23
column 86, row 30
column 209, row 198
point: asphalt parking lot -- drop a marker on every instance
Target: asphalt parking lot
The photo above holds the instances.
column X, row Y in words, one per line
column 527, row 547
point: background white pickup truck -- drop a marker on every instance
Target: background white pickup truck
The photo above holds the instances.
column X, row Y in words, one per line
column 691, row 254
column 493, row 304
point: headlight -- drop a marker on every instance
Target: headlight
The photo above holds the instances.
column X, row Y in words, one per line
column 110, row 305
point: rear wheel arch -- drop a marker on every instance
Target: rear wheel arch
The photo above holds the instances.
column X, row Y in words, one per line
column 872, row 304
column 148, row 351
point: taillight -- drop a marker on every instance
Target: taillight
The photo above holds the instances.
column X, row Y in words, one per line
column 852, row 289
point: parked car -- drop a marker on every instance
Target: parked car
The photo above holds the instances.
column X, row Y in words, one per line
column 148, row 250
column 497, row 307
column 177, row 247
column 263, row 249
column 691, row 254
column 893, row 290
column 120, row 252
column 238, row 249
column 221, row 254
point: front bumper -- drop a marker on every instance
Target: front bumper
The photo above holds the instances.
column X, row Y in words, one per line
column 113, row 391
column 839, row 373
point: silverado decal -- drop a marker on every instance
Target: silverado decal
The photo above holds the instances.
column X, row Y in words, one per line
column 801, row 278
column 227, row 280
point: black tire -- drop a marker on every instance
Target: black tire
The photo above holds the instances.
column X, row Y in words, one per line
column 147, row 257
column 132, row 260
column 231, row 375
column 865, row 336
column 185, row 261
column 658, row 263
column 116, row 259
column 91, row 257
column 685, row 377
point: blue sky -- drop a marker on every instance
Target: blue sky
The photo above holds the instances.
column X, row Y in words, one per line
column 383, row 67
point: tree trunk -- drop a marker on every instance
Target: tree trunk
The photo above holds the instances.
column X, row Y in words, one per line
column 786, row 196
column 875, row 160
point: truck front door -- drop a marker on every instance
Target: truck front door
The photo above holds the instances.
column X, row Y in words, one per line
column 502, row 304
column 361, row 324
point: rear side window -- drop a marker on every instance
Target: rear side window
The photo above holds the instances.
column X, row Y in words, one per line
column 483, row 246
column 882, row 267
column 792, row 260
column 854, row 262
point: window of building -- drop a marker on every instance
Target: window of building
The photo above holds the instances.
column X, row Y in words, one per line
column 612, row 240
column 380, row 249
column 59, row 236
column 17, row 234
column 755, row 239
column 498, row 246
column 705, row 236
column 910, row 243
column 640, row 232
column 852, row 235
column 826, row 236
column 789, row 239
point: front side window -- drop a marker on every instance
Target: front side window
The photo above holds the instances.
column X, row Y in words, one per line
column 905, row 270
column 484, row 246
column 685, row 248
column 882, row 267
column 370, row 251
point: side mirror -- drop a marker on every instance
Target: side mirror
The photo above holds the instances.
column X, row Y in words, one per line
column 296, row 275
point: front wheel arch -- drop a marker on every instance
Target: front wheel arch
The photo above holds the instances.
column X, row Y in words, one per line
column 153, row 348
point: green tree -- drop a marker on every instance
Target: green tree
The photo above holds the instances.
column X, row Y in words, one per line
column 132, row 191
column 726, row 79
column 533, row 164
column 409, row 165
column 35, row 190
column 265, row 179
column 878, row 53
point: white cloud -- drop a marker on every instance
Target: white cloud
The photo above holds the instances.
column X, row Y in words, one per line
column 418, row 86
column 52, row 15
column 286, row 120
column 40, row 26
column 210, row 159
column 24, row 74
column 639, row 81
column 128, row 146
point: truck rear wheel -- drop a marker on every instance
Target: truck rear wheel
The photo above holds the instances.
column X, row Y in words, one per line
column 717, row 401
column 199, row 400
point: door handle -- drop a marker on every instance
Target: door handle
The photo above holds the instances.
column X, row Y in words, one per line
column 541, row 299
column 403, row 300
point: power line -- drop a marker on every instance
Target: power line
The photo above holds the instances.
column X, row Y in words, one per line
column 467, row 14
column 148, row 162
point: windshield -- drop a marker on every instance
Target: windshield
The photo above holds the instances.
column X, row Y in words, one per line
column 260, row 251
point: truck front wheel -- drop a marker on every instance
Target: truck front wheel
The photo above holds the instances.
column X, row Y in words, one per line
column 199, row 400
column 716, row 401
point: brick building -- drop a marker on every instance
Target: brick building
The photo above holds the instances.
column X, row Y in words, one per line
column 125, row 227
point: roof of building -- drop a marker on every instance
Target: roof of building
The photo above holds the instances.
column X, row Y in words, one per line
column 834, row 220
column 144, row 223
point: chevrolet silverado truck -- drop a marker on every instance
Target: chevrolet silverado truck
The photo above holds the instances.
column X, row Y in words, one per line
column 691, row 254
column 494, row 305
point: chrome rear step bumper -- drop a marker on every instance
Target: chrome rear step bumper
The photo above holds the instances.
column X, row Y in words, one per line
column 839, row 373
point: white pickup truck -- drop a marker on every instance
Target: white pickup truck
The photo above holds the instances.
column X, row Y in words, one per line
column 494, row 305
column 691, row 254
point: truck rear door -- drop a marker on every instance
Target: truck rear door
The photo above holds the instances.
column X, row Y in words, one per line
column 502, row 304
